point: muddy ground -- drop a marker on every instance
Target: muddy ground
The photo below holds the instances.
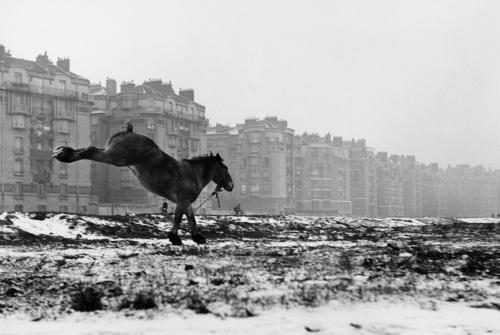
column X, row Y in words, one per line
column 250, row 265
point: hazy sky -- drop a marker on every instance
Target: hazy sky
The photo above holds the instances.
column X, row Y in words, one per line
column 411, row 77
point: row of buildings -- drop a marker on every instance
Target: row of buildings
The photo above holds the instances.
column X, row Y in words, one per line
column 277, row 171
column 44, row 104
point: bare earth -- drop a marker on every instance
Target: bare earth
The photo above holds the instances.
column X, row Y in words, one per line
column 265, row 275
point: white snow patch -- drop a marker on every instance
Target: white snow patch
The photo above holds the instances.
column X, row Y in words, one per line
column 479, row 220
column 335, row 318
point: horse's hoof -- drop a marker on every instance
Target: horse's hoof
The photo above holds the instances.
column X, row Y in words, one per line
column 174, row 238
column 198, row 238
column 63, row 154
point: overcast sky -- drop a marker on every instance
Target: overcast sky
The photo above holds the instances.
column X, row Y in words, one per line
column 411, row 77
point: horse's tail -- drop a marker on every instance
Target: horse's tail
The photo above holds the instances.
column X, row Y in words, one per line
column 130, row 127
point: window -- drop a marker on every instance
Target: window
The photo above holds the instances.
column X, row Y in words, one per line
column 18, row 121
column 62, row 84
column 19, row 144
column 254, row 174
column 41, row 189
column 63, row 126
column 254, row 160
column 254, row 137
column 19, row 189
column 18, row 77
column 243, row 189
column 18, row 167
column 266, row 162
column 63, row 190
column 243, row 162
column 254, row 188
column 151, row 124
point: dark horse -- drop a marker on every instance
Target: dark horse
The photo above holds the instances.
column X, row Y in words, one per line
column 179, row 181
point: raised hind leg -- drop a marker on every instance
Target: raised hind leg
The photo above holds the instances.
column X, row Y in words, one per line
column 173, row 236
column 70, row 155
column 195, row 234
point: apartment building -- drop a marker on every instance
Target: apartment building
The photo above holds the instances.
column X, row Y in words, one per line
column 389, row 185
column 42, row 105
column 363, row 178
column 173, row 120
column 322, row 176
column 259, row 155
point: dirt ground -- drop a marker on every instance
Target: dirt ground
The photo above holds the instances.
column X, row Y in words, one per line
column 124, row 267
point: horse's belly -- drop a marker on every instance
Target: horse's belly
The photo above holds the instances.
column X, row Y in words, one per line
column 157, row 186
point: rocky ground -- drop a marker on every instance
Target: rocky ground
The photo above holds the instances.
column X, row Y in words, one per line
column 62, row 267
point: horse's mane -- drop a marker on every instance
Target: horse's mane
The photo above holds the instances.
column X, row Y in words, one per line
column 200, row 158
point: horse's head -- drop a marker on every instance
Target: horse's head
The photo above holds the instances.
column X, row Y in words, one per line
column 221, row 174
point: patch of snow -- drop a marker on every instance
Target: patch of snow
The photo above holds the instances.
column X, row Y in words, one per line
column 336, row 318
column 479, row 220
column 54, row 225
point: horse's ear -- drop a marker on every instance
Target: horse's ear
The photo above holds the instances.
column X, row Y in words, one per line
column 211, row 153
column 219, row 158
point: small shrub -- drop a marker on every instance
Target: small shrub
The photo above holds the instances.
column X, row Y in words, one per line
column 144, row 300
column 86, row 299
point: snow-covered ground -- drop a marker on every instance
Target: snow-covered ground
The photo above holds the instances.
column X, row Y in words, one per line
column 256, row 275
column 334, row 319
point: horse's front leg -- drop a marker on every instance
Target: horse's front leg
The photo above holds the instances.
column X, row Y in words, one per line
column 173, row 235
column 195, row 234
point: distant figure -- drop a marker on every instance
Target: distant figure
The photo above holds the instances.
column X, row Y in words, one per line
column 237, row 210
column 164, row 208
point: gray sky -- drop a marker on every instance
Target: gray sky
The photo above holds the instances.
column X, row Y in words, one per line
column 412, row 77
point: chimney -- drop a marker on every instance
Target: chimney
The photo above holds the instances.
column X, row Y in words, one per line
column 154, row 84
column 127, row 87
column 110, row 86
column 43, row 60
column 167, row 89
column 187, row 94
column 382, row 156
column 63, row 63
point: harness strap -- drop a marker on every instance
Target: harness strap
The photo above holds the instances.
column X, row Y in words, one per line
column 216, row 193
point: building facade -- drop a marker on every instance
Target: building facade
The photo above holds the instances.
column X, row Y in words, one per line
column 259, row 155
column 42, row 105
column 174, row 121
column 322, row 176
column 363, row 179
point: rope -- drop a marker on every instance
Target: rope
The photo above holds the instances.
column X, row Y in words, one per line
column 216, row 192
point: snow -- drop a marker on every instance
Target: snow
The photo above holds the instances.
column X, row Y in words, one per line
column 406, row 318
column 49, row 226
column 479, row 220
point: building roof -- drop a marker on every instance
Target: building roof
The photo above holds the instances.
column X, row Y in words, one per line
column 32, row 66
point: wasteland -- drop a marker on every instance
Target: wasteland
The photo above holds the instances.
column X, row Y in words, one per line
column 288, row 274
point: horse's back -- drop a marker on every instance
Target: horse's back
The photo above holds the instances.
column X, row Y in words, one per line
column 132, row 147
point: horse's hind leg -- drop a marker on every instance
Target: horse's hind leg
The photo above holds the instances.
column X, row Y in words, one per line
column 70, row 155
column 173, row 236
column 195, row 234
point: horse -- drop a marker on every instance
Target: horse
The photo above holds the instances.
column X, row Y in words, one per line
column 180, row 181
